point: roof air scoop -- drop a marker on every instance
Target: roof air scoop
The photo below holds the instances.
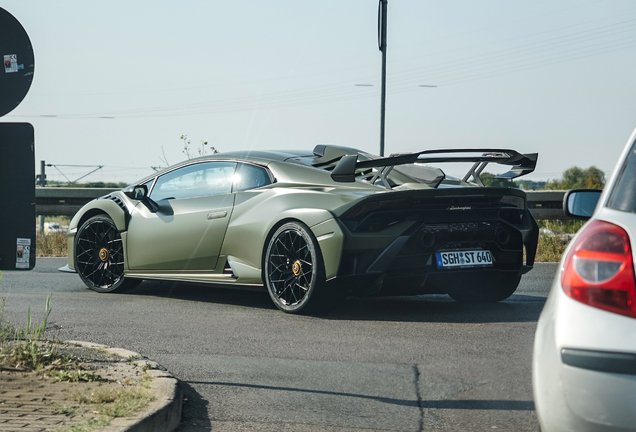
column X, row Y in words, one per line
column 319, row 150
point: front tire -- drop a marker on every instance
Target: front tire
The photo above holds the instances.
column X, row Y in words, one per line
column 293, row 269
column 99, row 256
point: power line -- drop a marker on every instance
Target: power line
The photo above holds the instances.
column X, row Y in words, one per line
column 445, row 73
column 505, row 54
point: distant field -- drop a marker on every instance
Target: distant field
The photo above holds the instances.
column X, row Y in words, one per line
column 62, row 220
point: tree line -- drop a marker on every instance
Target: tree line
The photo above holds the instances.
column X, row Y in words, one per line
column 572, row 178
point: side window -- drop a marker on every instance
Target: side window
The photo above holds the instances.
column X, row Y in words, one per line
column 624, row 194
column 203, row 179
column 250, row 177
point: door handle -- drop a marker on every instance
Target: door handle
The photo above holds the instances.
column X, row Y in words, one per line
column 217, row 215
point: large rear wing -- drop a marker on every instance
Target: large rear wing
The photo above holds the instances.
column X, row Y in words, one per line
column 522, row 164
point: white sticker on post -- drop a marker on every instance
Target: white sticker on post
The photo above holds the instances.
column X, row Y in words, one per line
column 11, row 63
column 23, row 253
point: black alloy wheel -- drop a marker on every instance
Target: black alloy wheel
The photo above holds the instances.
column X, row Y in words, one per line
column 293, row 269
column 99, row 256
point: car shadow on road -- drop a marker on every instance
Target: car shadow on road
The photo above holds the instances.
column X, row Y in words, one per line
column 437, row 308
column 256, row 297
column 422, row 308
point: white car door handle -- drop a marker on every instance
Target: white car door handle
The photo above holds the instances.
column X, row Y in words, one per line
column 217, row 215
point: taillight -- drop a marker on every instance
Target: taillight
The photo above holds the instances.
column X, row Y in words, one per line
column 599, row 269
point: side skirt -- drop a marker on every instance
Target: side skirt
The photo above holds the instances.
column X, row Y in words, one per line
column 211, row 278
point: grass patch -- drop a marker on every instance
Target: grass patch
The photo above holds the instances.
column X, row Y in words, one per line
column 51, row 245
column 550, row 248
column 98, row 405
column 23, row 349
column 554, row 237
column 113, row 401
column 73, row 373
column 107, row 402
column 6, row 329
column 88, row 425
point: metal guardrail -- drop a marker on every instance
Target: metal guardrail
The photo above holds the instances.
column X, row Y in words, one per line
column 62, row 201
column 546, row 204
column 67, row 201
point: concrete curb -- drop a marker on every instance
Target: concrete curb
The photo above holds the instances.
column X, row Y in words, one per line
column 161, row 415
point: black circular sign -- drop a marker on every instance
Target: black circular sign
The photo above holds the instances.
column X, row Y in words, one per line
column 18, row 65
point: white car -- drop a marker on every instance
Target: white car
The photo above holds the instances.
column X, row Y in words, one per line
column 584, row 362
column 53, row 227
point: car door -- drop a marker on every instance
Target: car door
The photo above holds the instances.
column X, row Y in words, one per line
column 195, row 203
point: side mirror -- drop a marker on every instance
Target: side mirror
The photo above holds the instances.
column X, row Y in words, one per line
column 140, row 193
column 580, row 203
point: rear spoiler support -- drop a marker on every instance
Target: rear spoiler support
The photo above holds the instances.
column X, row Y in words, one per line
column 522, row 164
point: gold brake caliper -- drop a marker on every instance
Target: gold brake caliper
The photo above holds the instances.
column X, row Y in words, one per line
column 297, row 268
column 103, row 254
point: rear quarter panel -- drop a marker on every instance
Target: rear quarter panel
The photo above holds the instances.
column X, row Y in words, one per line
column 258, row 212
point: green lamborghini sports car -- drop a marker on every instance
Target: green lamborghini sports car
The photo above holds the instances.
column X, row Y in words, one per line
column 311, row 226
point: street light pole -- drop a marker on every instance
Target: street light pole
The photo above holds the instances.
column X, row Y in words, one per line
column 42, row 184
column 382, row 7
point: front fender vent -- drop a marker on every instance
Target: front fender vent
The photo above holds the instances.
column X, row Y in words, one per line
column 118, row 201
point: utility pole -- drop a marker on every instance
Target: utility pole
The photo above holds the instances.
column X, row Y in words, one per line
column 382, row 7
column 42, row 184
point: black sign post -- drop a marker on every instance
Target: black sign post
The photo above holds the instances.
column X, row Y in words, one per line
column 17, row 197
column 17, row 157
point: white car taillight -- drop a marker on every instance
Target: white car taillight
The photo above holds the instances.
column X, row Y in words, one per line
column 599, row 269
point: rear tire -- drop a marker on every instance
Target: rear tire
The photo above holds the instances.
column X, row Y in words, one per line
column 496, row 291
column 99, row 256
column 293, row 269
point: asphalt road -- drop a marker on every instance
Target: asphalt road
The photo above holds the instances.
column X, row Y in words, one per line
column 398, row 364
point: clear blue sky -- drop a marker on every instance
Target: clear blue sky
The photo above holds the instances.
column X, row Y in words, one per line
column 554, row 77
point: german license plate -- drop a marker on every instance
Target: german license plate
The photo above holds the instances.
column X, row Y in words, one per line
column 476, row 258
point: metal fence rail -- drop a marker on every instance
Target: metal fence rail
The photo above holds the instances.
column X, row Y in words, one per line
column 546, row 204
column 51, row 201
column 67, row 201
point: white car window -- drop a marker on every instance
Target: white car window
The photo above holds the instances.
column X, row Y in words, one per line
column 250, row 177
column 203, row 179
column 624, row 194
